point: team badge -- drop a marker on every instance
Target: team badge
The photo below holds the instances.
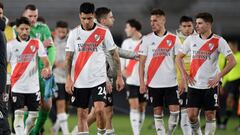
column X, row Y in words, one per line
column 73, row 99
column 169, row 42
column 97, row 37
column 14, row 98
column 153, row 43
column 211, row 46
column 78, row 38
column 32, row 47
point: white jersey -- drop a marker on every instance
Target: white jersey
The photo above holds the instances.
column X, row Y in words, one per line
column 160, row 68
column 22, row 56
column 204, row 57
column 89, row 60
column 131, row 66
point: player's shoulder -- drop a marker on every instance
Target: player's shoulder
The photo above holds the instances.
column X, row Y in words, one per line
column 217, row 36
column 171, row 34
column 148, row 36
column 41, row 25
column 11, row 42
column 127, row 40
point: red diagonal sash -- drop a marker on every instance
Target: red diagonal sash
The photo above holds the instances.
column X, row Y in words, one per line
column 167, row 43
column 132, row 63
column 94, row 39
column 20, row 67
column 210, row 46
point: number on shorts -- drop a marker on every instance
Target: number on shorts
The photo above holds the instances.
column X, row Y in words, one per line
column 38, row 96
column 102, row 91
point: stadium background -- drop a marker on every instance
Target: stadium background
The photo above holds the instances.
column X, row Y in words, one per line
column 226, row 15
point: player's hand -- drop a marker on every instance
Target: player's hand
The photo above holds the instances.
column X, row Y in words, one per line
column 189, row 79
column 109, row 87
column 212, row 83
column 119, row 83
column 137, row 57
column 46, row 72
column 47, row 43
column 143, row 88
column 69, row 86
column 182, row 86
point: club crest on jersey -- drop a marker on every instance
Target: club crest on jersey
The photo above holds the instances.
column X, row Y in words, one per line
column 14, row 98
column 211, row 46
column 33, row 48
column 97, row 37
column 169, row 42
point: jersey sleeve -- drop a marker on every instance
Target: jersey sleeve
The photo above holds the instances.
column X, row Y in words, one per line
column 70, row 42
column 223, row 47
column 177, row 46
column 143, row 49
column 108, row 41
column 41, row 50
column 46, row 33
column 185, row 48
column 9, row 53
column 123, row 61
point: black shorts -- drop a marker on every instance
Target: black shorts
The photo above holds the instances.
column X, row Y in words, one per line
column 30, row 100
column 133, row 92
column 168, row 95
column 109, row 99
column 206, row 99
column 233, row 88
column 183, row 99
column 81, row 96
column 61, row 93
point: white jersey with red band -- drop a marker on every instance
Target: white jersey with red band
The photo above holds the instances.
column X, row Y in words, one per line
column 22, row 55
column 204, row 57
column 89, row 60
column 160, row 68
column 131, row 66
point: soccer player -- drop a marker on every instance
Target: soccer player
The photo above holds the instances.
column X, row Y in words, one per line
column 86, row 67
column 42, row 32
column 136, row 100
column 60, row 41
column 186, row 28
column 22, row 54
column 204, row 77
column 157, row 64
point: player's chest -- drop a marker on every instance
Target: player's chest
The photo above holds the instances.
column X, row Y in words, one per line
column 162, row 48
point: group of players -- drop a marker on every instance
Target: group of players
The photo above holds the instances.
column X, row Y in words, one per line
column 86, row 61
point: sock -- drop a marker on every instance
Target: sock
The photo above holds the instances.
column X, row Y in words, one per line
column 196, row 128
column 210, row 127
column 141, row 120
column 29, row 124
column 185, row 125
column 75, row 130
column 159, row 124
column 62, row 118
column 41, row 119
column 82, row 133
column 172, row 122
column 101, row 131
column 19, row 122
column 110, row 132
column 56, row 127
column 134, row 118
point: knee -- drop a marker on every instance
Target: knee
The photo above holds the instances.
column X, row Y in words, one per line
column 158, row 110
column 99, row 111
column 192, row 117
column 210, row 115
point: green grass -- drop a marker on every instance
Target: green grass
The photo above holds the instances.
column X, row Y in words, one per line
column 122, row 126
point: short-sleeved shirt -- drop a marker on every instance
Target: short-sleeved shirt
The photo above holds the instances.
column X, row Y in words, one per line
column 89, row 60
column 22, row 55
column 204, row 57
column 160, row 68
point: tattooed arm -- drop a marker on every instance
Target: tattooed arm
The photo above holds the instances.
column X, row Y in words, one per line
column 69, row 83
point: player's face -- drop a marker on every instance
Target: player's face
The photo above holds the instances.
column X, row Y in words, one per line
column 186, row 28
column 157, row 22
column 109, row 20
column 129, row 30
column 23, row 31
column 87, row 20
column 61, row 32
column 202, row 26
column 1, row 13
column 32, row 15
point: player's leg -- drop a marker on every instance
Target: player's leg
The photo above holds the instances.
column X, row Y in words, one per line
column 172, row 100
column 194, row 104
column 156, row 99
column 109, row 114
column 184, row 121
column 143, row 98
column 99, row 99
column 91, row 117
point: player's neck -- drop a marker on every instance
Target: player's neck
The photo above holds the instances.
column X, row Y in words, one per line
column 20, row 39
column 137, row 36
column 161, row 32
column 206, row 35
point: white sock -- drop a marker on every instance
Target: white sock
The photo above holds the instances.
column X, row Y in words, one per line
column 56, row 127
column 75, row 130
column 172, row 122
column 32, row 115
column 19, row 122
column 81, row 133
column 101, row 131
column 134, row 118
column 210, row 127
column 185, row 125
column 141, row 120
column 196, row 130
column 110, row 132
column 62, row 118
column 159, row 124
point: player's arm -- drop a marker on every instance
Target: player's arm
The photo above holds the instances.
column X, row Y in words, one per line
column 46, row 71
column 123, row 53
column 68, row 66
column 142, row 61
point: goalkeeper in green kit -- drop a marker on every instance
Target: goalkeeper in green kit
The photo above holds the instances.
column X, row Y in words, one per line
column 42, row 32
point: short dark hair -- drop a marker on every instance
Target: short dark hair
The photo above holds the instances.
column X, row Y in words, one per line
column 157, row 12
column 1, row 5
column 22, row 20
column 101, row 12
column 87, row 8
column 61, row 24
column 207, row 17
column 41, row 19
column 185, row 19
column 134, row 23
column 31, row 7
